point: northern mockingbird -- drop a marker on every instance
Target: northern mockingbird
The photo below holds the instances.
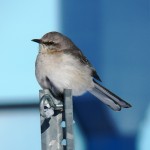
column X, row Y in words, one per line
column 61, row 65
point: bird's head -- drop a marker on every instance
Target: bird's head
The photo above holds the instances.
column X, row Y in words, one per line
column 54, row 41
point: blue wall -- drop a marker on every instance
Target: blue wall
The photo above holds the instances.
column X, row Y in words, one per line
column 115, row 36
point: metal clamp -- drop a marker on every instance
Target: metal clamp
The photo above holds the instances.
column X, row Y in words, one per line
column 48, row 104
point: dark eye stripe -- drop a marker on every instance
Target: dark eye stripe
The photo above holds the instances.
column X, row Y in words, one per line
column 49, row 43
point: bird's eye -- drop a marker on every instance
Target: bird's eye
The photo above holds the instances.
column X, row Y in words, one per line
column 49, row 43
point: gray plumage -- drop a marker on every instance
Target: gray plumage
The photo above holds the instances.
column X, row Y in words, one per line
column 61, row 65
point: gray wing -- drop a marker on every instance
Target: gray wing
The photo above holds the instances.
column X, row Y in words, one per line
column 79, row 55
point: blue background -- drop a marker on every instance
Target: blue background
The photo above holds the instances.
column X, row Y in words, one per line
column 114, row 35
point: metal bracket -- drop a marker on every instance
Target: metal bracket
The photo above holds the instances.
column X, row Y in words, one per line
column 48, row 101
column 53, row 113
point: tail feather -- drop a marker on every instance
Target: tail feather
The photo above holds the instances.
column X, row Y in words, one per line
column 109, row 98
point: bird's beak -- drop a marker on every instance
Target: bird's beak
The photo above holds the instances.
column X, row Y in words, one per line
column 37, row 40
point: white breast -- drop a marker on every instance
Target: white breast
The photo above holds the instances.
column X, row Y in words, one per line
column 64, row 71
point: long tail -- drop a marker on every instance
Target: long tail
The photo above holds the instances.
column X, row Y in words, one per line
column 109, row 98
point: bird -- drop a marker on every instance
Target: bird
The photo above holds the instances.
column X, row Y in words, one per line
column 60, row 65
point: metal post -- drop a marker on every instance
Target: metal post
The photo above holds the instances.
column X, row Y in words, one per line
column 69, row 119
column 53, row 112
